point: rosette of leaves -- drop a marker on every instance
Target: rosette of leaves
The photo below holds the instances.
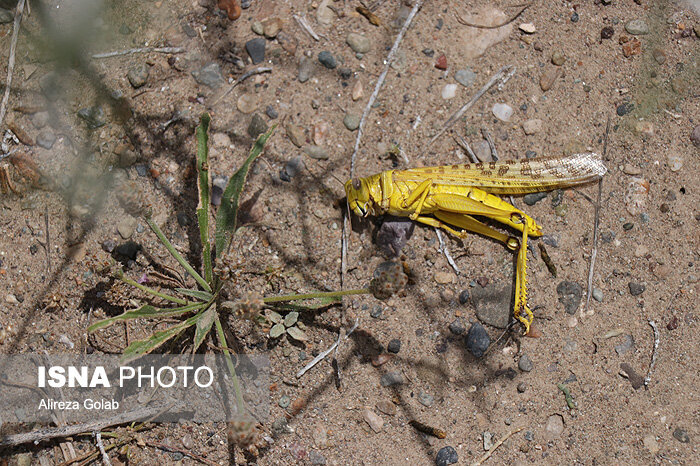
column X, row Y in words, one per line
column 288, row 324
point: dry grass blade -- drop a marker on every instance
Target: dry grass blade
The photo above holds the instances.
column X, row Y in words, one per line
column 11, row 61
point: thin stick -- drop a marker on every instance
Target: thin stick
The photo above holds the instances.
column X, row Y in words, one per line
column 596, row 224
column 495, row 26
column 489, row 139
column 11, row 61
column 495, row 446
column 325, row 353
column 305, row 26
column 120, row 53
column 500, row 74
column 446, row 252
column 242, row 78
column 171, row 448
column 344, row 246
column 67, row 431
column 467, row 148
column 380, row 82
column 100, row 445
column 647, row 379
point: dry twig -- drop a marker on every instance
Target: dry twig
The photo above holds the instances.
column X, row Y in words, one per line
column 502, row 74
column 100, row 445
column 495, row 26
column 446, row 252
column 305, row 26
column 240, row 79
column 467, row 148
column 120, row 53
column 325, row 353
column 380, row 82
column 647, row 379
column 11, row 61
column 495, row 446
column 596, row 224
column 489, row 139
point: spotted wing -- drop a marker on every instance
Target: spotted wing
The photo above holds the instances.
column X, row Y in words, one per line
column 514, row 176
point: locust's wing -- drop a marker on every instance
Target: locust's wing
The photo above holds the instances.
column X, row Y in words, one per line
column 514, row 176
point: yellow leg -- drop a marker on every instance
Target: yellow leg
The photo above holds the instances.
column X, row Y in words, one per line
column 421, row 192
column 520, row 306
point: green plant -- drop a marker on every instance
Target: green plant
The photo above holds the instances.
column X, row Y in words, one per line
column 202, row 308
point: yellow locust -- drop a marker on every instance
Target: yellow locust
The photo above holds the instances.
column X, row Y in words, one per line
column 449, row 197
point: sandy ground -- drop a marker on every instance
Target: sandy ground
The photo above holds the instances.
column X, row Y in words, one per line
column 648, row 221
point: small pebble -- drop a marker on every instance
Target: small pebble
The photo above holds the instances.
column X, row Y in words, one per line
column 487, row 440
column 532, row 126
column 257, row 126
column 345, row 73
column 357, row 91
column 381, row 359
column 681, row 435
column 327, row 59
column 651, row 444
column 624, row 109
column 570, row 294
column 597, row 294
column 387, row 407
column 257, row 27
column 607, row 32
column 272, row 27
column 628, row 226
column 94, row 117
column 524, row 363
column 316, row 152
column 449, row 91
column 306, row 69
column 502, row 111
column 522, row 387
column 441, row 62
column 478, row 340
column 558, row 58
column 256, row 49
column 352, row 120
column 210, row 75
column 464, row 296
column 358, row 43
column 271, row 112
column 528, row 28
column 247, row 103
column 549, row 77
column 138, row 75
column 295, row 134
column 533, row 198
column 426, row 399
column 574, row 17
column 632, row 47
column 428, row 52
column 555, row 426
column 637, row 27
column 376, row 312
column 457, row 327
column 659, row 55
column 446, row 456
column 46, row 138
column 284, row 401
column 394, row 346
column 391, row 379
column 482, row 150
column 465, row 77
column 695, row 136
column 373, row 419
column 6, row 16
column 636, row 288
column 626, row 345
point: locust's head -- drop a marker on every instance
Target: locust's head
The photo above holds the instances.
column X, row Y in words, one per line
column 359, row 197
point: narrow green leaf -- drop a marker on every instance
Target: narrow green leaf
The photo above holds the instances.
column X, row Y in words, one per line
column 204, row 323
column 204, row 185
column 228, row 210
column 141, row 347
column 178, row 257
column 145, row 312
column 198, row 294
column 240, row 406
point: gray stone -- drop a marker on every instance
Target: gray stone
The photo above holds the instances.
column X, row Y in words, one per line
column 359, row 43
column 94, row 117
column 256, row 49
column 637, row 27
column 316, row 152
column 352, row 121
column 6, row 16
column 394, row 346
column 257, row 126
column 695, row 136
column 457, row 327
column 558, row 58
column 209, row 75
column 257, row 27
column 492, row 304
column 478, row 340
column 327, row 59
column 626, row 345
column 533, row 198
column 46, row 138
column 446, row 456
column 138, row 75
column 555, row 426
column 294, row 166
column 316, row 458
column 465, row 77
column 636, row 288
column 524, row 364
column 426, row 399
column 271, row 112
column 681, row 435
column 391, row 379
column 597, row 294
column 569, row 295
column 482, row 150
column 306, row 69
